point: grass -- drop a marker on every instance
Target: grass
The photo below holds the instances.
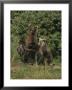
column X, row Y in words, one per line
column 26, row 71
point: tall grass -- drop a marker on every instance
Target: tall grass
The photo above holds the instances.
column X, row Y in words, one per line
column 26, row 71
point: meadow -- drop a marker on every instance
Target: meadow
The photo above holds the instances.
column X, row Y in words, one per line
column 20, row 70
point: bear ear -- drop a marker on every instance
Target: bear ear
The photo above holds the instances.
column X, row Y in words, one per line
column 37, row 27
column 29, row 25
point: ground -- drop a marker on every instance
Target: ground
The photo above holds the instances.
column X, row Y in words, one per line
column 25, row 71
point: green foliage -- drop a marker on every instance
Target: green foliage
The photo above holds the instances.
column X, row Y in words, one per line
column 49, row 27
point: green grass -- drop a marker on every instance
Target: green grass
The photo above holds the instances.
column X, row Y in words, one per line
column 26, row 71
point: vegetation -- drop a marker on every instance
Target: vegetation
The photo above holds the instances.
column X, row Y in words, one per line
column 23, row 71
column 49, row 27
